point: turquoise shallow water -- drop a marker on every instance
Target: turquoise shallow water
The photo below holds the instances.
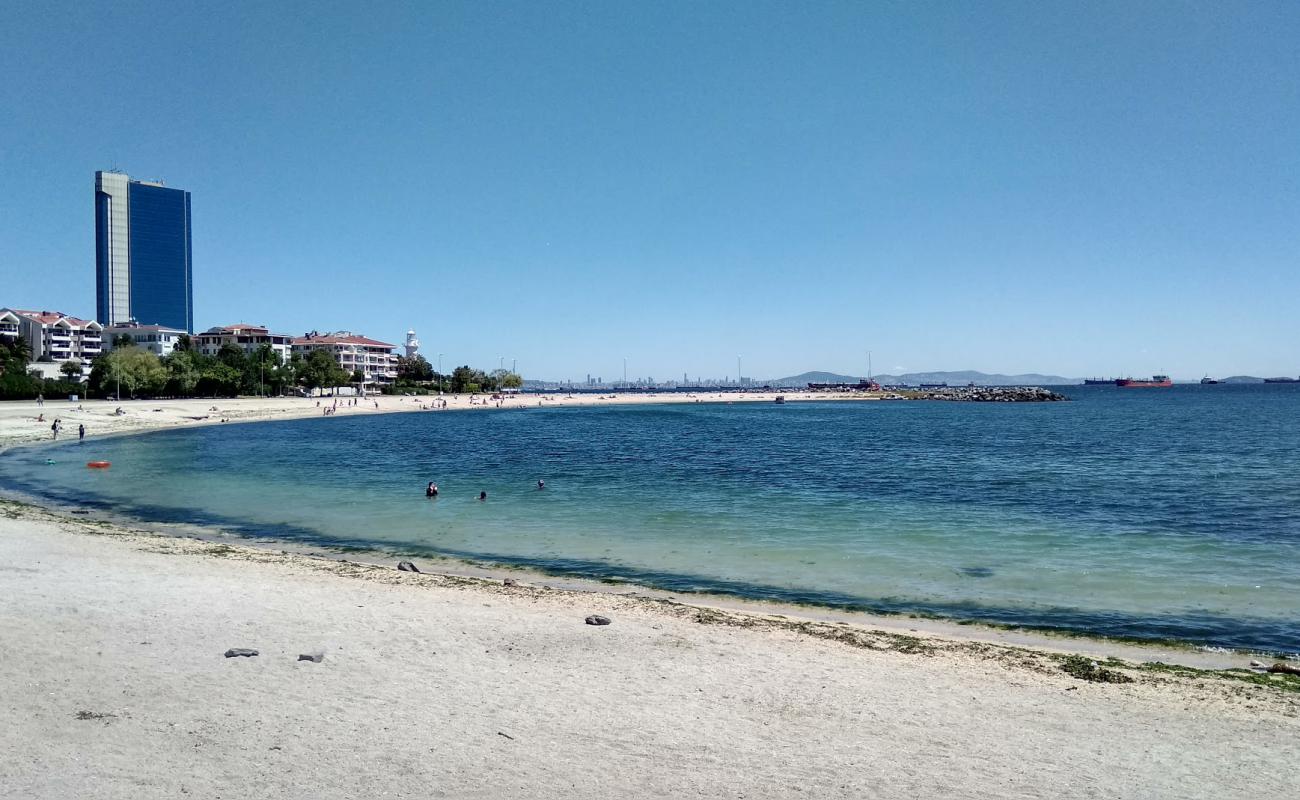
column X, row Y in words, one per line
column 1147, row 513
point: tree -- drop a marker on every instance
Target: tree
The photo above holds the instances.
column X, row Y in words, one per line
column 183, row 370
column 123, row 340
column 462, row 377
column 320, row 370
column 18, row 350
column 414, row 369
column 259, row 369
column 232, row 355
column 512, row 380
column 134, row 370
column 218, row 379
column 184, row 343
column 71, row 370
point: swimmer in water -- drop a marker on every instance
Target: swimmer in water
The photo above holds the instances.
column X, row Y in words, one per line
column 541, row 485
column 482, row 495
column 431, row 490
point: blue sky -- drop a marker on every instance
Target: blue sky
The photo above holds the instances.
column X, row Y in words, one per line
column 1083, row 189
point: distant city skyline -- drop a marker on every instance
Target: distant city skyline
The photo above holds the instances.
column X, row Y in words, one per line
column 1091, row 189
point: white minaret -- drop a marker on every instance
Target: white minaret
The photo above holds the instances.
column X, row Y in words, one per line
column 412, row 344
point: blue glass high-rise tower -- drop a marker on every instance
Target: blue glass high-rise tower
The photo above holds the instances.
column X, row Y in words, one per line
column 143, row 269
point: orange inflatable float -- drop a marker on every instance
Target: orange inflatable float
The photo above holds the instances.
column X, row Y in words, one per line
column 99, row 464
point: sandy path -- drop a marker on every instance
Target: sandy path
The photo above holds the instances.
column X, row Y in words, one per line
column 423, row 675
column 20, row 423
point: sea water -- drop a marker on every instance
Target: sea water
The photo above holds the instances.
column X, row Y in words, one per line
column 1151, row 513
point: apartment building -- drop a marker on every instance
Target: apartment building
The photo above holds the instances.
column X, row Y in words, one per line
column 157, row 339
column 55, row 336
column 246, row 337
column 375, row 359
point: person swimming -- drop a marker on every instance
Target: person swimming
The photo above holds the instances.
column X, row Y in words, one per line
column 431, row 490
column 482, row 495
column 541, row 485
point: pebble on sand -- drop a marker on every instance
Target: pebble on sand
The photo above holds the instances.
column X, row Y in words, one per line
column 240, row 651
column 596, row 619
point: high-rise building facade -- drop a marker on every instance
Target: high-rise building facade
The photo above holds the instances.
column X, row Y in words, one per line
column 143, row 266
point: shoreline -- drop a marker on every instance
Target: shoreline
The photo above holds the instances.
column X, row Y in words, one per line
column 1185, row 653
column 1177, row 653
column 369, row 680
column 18, row 425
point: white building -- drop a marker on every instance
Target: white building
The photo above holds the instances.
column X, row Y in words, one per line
column 57, row 337
column 246, row 337
column 412, row 344
column 375, row 359
column 9, row 323
column 157, row 339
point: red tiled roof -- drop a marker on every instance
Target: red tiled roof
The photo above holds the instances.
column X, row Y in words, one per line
column 341, row 340
column 50, row 317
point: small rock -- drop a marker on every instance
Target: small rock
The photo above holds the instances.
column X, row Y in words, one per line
column 596, row 619
column 240, row 651
column 509, row 582
column 314, row 658
column 406, row 566
column 1257, row 663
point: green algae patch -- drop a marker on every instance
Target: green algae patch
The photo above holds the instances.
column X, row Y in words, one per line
column 1086, row 669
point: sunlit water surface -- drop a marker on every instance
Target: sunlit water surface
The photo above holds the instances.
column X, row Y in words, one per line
column 1147, row 513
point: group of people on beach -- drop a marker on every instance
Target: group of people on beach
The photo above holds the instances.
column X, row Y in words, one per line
column 56, row 428
column 431, row 491
column 353, row 401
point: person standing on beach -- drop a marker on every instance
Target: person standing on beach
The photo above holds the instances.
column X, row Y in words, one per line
column 81, row 432
column 40, row 400
column 54, row 428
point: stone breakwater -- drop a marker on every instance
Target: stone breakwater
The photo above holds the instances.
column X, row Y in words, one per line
column 989, row 394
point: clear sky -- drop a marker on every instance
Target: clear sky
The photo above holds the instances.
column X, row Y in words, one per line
column 1076, row 188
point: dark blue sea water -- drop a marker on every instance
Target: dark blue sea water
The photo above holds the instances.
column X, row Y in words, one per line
column 1170, row 513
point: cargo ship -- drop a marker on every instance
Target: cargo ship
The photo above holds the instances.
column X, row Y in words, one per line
column 1208, row 381
column 1157, row 381
column 1098, row 381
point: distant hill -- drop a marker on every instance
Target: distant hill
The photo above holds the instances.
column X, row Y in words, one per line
column 957, row 378
column 1242, row 379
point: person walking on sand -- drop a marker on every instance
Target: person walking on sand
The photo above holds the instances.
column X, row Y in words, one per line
column 54, row 428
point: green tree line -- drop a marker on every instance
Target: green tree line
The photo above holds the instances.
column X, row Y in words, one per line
column 130, row 371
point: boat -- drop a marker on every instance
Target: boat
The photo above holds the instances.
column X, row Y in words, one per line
column 1208, row 381
column 1098, row 381
column 780, row 400
column 1282, row 380
column 1157, row 381
column 934, row 385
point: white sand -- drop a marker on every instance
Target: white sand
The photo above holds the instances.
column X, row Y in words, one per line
column 19, row 419
column 422, row 676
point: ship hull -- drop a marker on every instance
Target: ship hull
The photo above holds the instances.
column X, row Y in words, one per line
column 1129, row 383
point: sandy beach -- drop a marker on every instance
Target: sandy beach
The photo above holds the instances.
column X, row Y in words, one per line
column 115, row 685
column 451, row 683
column 20, row 421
